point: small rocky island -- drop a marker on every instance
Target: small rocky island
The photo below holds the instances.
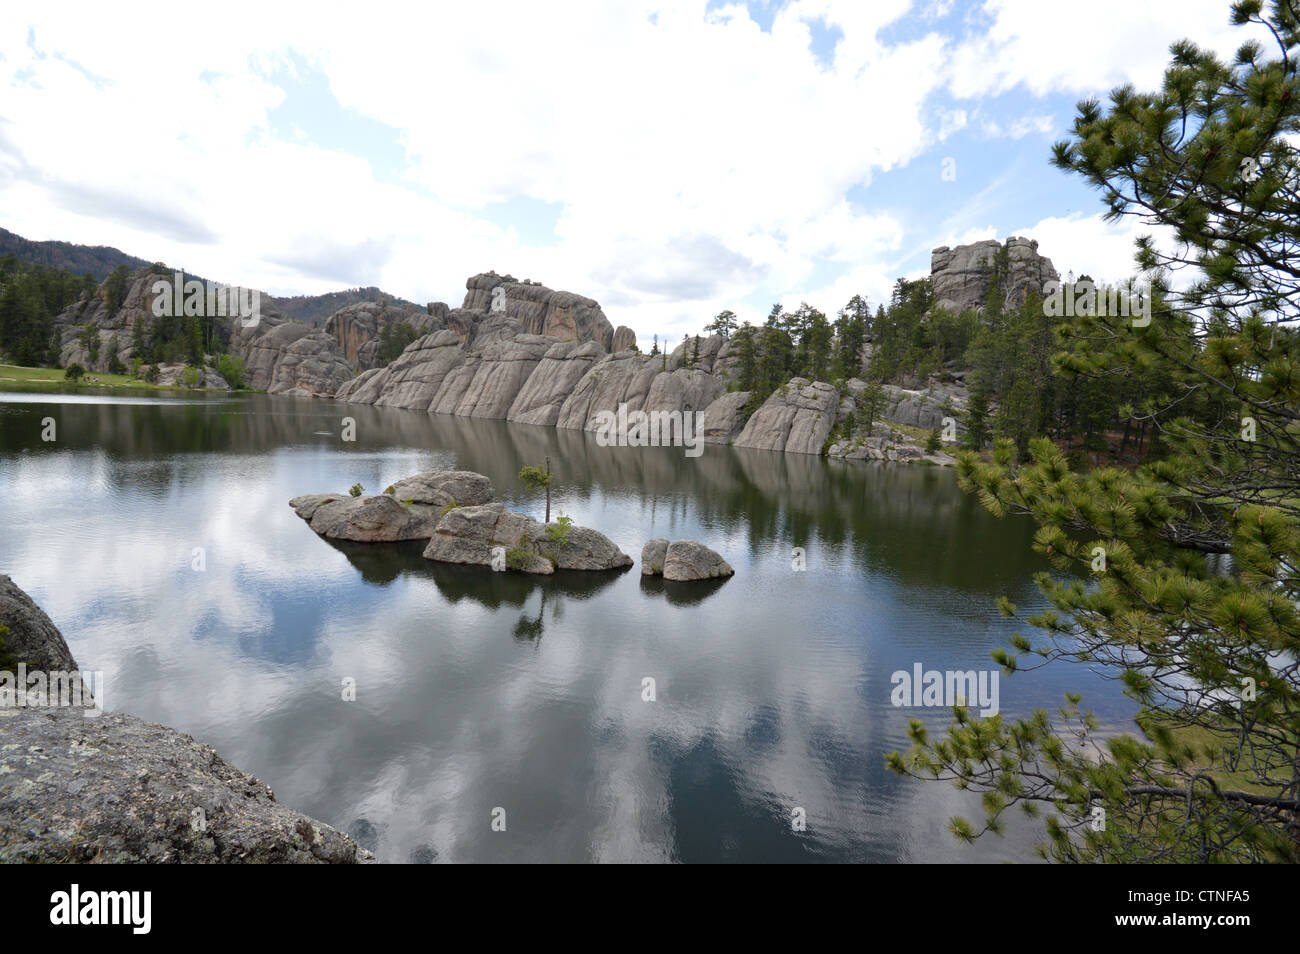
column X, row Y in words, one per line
column 455, row 512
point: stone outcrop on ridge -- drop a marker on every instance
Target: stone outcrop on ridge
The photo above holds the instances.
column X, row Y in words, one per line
column 357, row 328
column 960, row 276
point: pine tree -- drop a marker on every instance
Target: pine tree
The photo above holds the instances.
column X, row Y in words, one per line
column 724, row 324
column 746, row 359
column 1207, row 648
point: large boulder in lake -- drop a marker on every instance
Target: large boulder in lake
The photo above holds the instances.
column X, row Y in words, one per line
column 408, row 510
column 683, row 560
column 588, row 549
column 476, row 535
column 652, row 556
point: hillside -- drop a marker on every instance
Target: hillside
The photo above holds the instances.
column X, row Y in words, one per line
column 97, row 260
column 100, row 260
column 314, row 309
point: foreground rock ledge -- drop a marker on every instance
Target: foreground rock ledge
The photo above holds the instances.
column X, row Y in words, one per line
column 683, row 560
column 115, row 788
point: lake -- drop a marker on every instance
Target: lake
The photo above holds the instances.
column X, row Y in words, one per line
column 482, row 695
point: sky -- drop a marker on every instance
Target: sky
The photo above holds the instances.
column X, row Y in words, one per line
column 669, row 159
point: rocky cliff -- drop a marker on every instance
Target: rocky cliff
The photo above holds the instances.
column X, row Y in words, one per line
column 539, row 359
column 280, row 356
column 961, row 276
column 357, row 328
column 521, row 352
column 92, row 323
column 114, row 788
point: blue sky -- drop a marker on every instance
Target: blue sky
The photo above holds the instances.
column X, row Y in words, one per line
column 669, row 159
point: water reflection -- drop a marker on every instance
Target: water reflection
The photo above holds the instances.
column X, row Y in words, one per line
column 480, row 690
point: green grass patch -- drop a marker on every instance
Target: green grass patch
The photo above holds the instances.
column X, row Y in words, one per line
column 53, row 379
column 1208, row 749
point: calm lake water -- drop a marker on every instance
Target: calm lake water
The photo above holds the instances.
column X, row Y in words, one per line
column 478, row 690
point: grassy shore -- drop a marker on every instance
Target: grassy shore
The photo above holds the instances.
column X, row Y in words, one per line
column 12, row 375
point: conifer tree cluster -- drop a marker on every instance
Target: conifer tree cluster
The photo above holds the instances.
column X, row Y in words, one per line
column 1180, row 578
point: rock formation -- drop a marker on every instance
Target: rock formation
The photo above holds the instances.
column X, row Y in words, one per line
column 114, row 788
column 544, row 392
column 483, row 359
column 521, row 352
column 797, row 418
column 27, row 635
column 539, row 310
column 624, row 339
column 286, row 357
column 683, row 560
column 486, row 535
column 899, row 428
column 91, row 321
column 174, row 375
column 724, row 418
column 961, row 276
column 454, row 511
column 357, row 328
column 280, row 356
column 408, row 510
column 652, row 557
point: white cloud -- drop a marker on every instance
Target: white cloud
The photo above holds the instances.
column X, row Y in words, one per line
column 697, row 160
column 694, row 156
column 1018, row 128
column 1088, row 245
column 1110, row 42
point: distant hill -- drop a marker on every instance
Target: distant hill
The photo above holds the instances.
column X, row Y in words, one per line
column 100, row 260
column 314, row 309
